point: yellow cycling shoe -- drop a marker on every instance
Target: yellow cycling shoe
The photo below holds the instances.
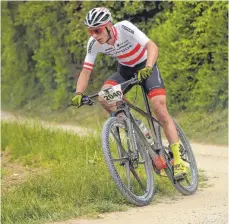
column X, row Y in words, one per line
column 180, row 169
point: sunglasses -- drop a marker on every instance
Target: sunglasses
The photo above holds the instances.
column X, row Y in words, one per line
column 99, row 30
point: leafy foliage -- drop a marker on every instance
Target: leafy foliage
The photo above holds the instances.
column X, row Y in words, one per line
column 44, row 45
column 193, row 54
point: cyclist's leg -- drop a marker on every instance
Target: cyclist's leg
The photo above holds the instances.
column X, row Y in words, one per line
column 155, row 90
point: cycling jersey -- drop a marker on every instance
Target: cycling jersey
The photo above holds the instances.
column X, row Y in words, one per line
column 129, row 47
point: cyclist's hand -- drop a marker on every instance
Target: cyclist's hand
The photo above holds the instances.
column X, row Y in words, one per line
column 144, row 73
column 77, row 99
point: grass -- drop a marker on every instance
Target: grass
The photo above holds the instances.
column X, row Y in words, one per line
column 72, row 178
column 72, row 181
column 71, row 185
column 203, row 180
column 203, row 127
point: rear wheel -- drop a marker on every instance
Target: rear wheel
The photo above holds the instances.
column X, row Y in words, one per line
column 189, row 183
column 131, row 172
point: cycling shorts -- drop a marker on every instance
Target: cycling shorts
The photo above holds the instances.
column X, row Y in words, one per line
column 153, row 85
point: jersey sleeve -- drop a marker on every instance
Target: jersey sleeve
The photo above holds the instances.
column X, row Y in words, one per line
column 132, row 31
column 92, row 51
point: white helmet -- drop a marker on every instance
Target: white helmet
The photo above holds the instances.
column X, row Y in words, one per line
column 97, row 17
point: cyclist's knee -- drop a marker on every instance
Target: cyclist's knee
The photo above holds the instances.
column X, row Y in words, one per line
column 160, row 109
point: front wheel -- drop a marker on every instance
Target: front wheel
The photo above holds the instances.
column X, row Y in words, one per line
column 130, row 169
column 187, row 185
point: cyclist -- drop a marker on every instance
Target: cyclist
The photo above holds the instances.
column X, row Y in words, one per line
column 135, row 53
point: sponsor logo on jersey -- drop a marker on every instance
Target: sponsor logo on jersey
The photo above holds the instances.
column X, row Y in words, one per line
column 91, row 45
column 127, row 29
column 109, row 49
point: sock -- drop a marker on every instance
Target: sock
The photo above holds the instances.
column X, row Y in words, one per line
column 175, row 147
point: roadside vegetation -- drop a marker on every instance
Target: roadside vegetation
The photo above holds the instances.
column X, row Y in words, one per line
column 199, row 126
column 44, row 46
column 72, row 178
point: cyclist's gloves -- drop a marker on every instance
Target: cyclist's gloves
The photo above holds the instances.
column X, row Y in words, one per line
column 144, row 73
column 77, row 99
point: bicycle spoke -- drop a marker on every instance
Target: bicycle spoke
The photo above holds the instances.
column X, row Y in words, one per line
column 137, row 178
column 184, row 178
column 127, row 165
column 142, row 162
column 187, row 161
column 118, row 142
column 124, row 160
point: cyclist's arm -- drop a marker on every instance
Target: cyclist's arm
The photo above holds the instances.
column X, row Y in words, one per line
column 82, row 82
column 88, row 65
column 152, row 53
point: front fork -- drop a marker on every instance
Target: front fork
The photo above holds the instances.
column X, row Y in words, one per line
column 132, row 141
column 124, row 114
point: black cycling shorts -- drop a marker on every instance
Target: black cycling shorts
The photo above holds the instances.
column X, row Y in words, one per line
column 153, row 85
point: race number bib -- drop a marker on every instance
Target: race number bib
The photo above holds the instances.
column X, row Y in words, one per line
column 112, row 94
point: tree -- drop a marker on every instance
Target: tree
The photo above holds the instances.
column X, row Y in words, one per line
column 192, row 41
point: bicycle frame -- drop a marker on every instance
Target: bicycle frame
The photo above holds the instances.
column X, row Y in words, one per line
column 155, row 150
column 151, row 120
column 124, row 106
column 147, row 115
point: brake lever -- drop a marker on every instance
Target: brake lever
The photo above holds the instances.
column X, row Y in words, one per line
column 87, row 101
column 135, row 80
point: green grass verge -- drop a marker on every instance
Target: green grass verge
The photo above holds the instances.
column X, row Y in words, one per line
column 74, row 180
column 199, row 126
column 203, row 127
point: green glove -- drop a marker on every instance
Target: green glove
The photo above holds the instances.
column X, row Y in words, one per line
column 144, row 73
column 77, row 99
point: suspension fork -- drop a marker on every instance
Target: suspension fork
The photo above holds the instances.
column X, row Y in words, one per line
column 130, row 131
column 133, row 139
column 122, row 108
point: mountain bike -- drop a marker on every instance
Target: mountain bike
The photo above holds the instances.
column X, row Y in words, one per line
column 132, row 161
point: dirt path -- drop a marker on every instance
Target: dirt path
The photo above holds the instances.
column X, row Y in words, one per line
column 9, row 117
column 208, row 205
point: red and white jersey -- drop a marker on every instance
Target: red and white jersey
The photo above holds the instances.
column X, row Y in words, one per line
column 129, row 47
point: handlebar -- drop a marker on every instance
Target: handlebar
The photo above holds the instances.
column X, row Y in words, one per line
column 87, row 100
